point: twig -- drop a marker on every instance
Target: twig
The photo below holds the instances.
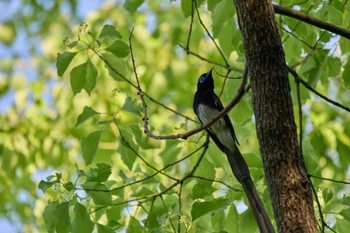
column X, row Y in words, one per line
column 234, row 101
column 311, row 20
column 208, row 33
column 305, row 84
column 329, row 179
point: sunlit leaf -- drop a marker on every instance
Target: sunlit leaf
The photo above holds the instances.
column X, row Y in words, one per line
column 99, row 193
column 119, row 48
column 87, row 113
column 48, row 216
column 63, row 61
column 62, row 219
column 104, row 229
column 200, row 208
column 89, row 146
column 132, row 5
column 109, row 31
column 81, row 220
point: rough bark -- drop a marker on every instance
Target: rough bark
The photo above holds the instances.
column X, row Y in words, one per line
column 284, row 167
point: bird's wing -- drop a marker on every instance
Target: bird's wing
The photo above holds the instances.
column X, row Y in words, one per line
column 219, row 106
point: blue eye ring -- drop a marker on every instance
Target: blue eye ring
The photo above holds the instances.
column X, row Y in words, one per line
column 201, row 80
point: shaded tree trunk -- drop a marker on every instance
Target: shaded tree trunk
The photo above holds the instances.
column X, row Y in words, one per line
column 284, row 167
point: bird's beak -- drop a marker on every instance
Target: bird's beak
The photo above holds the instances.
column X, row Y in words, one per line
column 209, row 73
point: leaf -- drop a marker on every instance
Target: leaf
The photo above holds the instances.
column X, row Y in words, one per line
column 90, row 78
column 223, row 11
column 83, row 77
column 87, row 113
column 89, row 146
column 100, row 195
column 63, row 61
column 119, row 48
column 49, row 218
column 81, row 221
column 186, row 7
column 104, row 229
column 127, row 155
column 101, row 173
column 132, row 5
column 327, row 194
column 61, row 216
column 45, row 185
column 201, row 208
column 130, row 105
column 345, row 213
column 115, row 66
column 346, row 75
column 109, row 31
column 134, row 226
column 69, row 186
column 77, row 78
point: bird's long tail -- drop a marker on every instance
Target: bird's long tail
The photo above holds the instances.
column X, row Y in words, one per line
column 241, row 172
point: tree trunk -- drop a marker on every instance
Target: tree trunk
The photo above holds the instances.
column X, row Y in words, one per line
column 284, row 167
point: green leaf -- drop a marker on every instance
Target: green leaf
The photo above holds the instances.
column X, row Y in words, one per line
column 244, row 218
column 77, row 78
column 346, row 75
column 186, row 7
column 100, row 194
column 90, row 78
column 49, row 218
column 84, row 77
column 89, row 146
column 223, row 11
column 201, row 208
column 134, row 226
column 63, row 61
column 109, row 31
column 335, row 16
column 132, row 106
column 81, row 221
column 104, row 229
column 231, row 221
column 45, row 185
column 101, row 173
column 119, row 48
column 327, row 194
column 87, row 113
column 132, row 5
column 61, row 216
column 345, row 213
column 342, row 225
column 127, row 155
column 69, row 186
column 115, row 66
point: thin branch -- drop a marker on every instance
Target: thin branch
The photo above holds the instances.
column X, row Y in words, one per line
column 227, row 67
column 295, row 74
column 311, row 20
column 208, row 33
column 329, row 179
column 234, row 101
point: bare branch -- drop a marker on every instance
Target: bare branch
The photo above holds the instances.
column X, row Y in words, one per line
column 295, row 74
column 311, row 20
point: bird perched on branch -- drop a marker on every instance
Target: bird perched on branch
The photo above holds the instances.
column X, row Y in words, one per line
column 206, row 105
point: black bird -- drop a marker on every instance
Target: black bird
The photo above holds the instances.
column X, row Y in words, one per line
column 206, row 105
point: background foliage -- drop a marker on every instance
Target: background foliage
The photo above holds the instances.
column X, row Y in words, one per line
column 73, row 153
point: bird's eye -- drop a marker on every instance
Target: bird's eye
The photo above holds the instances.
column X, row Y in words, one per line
column 201, row 80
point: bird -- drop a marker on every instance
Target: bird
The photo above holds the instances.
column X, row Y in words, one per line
column 207, row 105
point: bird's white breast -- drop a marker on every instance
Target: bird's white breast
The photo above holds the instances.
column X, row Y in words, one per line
column 219, row 128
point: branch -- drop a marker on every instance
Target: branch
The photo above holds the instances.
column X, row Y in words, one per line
column 295, row 74
column 234, row 101
column 311, row 20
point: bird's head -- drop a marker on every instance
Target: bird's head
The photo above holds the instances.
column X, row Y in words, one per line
column 206, row 81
